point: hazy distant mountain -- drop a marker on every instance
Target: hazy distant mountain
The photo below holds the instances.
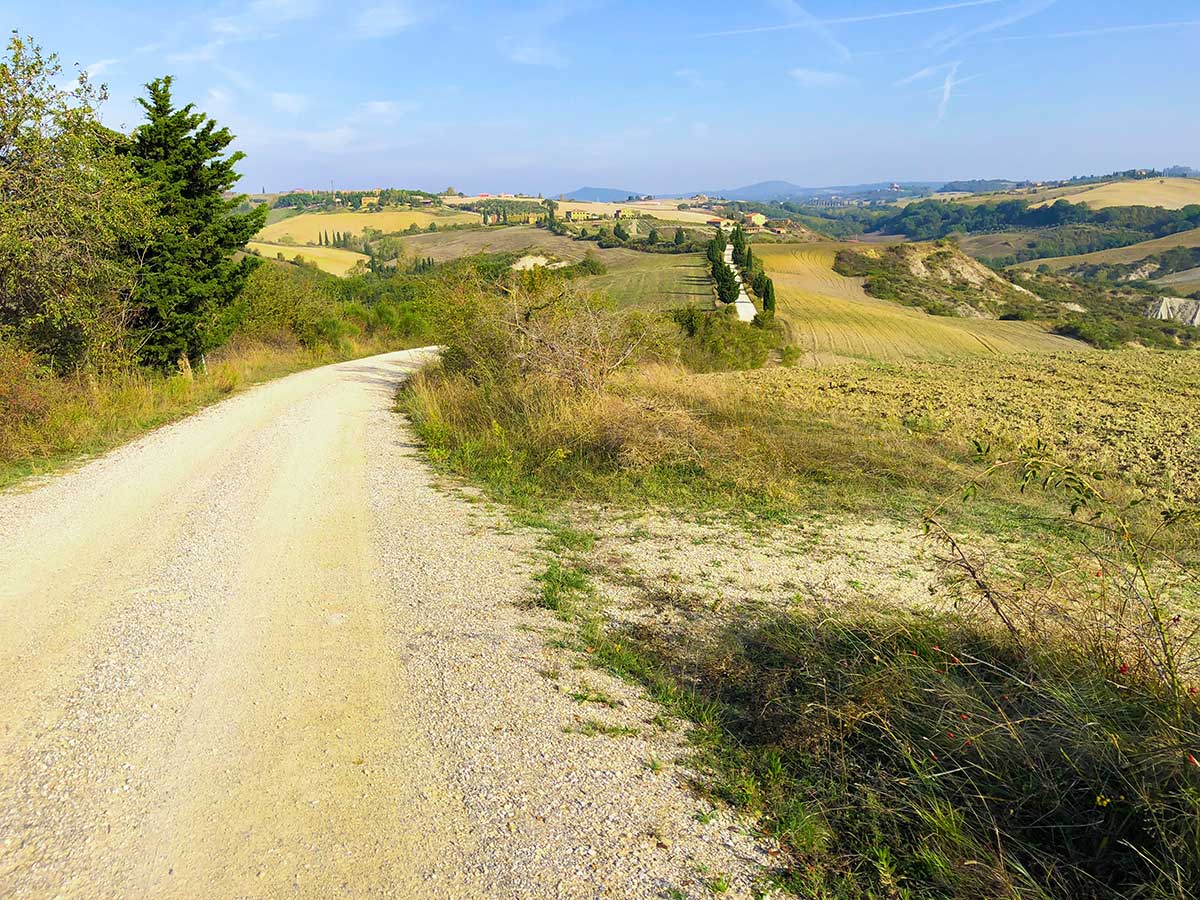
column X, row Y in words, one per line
column 766, row 191
column 600, row 195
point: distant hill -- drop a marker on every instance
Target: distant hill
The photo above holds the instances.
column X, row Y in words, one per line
column 600, row 195
column 981, row 186
column 768, row 191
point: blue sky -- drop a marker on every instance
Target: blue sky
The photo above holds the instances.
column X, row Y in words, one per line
column 654, row 96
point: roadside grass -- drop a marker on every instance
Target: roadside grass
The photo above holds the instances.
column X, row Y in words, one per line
column 904, row 753
column 59, row 420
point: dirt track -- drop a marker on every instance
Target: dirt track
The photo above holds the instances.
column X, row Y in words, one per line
column 259, row 653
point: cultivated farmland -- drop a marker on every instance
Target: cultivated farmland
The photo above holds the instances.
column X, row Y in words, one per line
column 1171, row 193
column 1133, row 414
column 327, row 259
column 446, row 245
column 307, row 228
column 830, row 318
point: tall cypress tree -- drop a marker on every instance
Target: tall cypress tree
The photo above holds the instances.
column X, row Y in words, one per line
column 189, row 276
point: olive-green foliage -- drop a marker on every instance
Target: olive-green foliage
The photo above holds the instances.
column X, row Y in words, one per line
column 72, row 220
column 718, row 341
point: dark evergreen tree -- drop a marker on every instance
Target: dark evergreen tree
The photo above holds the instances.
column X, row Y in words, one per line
column 680, row 237
column 189, row 274
column 652, row 237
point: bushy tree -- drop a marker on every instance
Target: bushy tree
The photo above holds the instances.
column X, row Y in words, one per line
column 189, row 275
column 73, row 217
column 652, row 237
column 680, row 237
column 620, row 232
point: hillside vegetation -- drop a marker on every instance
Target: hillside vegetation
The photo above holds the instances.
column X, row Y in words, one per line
column 125, row 301
column 940, row 280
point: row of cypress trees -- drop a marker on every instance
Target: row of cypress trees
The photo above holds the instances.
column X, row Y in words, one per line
column 727, row 285
column 752, row 272
column 343, row 239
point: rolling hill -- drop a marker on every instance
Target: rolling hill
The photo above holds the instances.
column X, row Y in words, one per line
column 767, row 191
column 1170, row 193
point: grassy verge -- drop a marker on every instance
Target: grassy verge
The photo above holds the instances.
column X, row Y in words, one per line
column 1045, row 752
column 63, row 419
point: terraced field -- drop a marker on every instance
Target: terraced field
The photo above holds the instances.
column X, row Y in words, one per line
column 328, row 259
column 831, row 318
column 307, row 228
column 1119, row 255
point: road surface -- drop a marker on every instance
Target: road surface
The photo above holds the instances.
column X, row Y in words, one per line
column 743, row 305
column 262, row 653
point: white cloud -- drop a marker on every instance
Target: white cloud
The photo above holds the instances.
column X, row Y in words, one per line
column 817, row 78
column 292, row 104
column 922, row 73
column 384, row 20
column 204, row 53
column 691, row 76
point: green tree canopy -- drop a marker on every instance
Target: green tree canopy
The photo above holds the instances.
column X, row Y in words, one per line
column 73, row 216
column 190, row 277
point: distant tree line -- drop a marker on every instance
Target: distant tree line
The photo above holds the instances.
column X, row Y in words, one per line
column 933, row 219
column 353, row 199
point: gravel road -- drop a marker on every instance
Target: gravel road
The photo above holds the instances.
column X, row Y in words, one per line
column 263, row 653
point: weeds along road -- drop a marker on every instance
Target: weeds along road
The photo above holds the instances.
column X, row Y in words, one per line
column 260, row 653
